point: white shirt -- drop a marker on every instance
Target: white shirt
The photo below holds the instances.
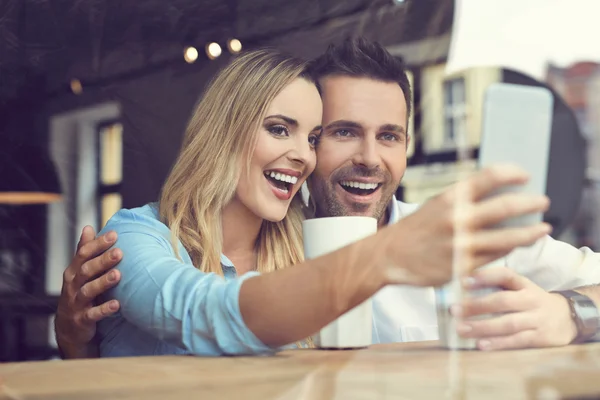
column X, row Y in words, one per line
column 405, row 313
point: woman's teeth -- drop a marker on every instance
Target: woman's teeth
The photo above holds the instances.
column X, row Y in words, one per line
column 283, row 177
column 359, row 185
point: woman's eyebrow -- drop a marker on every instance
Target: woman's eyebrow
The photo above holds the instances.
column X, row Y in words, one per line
column 289, row 120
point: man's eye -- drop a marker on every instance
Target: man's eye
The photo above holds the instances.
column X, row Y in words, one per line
column 278, row 130
column 313, row 140
column 343, row 133
column 389, row 137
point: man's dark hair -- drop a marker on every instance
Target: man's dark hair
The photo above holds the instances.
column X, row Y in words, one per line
column 361, row 58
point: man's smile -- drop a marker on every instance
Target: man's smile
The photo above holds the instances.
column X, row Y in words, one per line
column 360, row 188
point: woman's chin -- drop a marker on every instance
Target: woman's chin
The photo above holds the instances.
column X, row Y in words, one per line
column 273, row 215
column 273, row 218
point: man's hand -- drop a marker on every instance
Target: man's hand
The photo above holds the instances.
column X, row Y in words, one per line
column 83, row 280
column 531, row 317
column 457, row 229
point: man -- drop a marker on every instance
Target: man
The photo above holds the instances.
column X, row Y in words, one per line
column 366, row 100
column 361, row 161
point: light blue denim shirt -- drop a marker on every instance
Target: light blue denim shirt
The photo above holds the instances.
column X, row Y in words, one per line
column 168, row 306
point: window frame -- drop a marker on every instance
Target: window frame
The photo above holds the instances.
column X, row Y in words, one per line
column 103, row 189
column 454, row 111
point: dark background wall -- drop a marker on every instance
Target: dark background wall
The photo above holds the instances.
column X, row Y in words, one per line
column 131, row 53
column 154, row 112
column 156, row 105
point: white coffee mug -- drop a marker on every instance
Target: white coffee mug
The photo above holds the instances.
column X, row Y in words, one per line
column 354, row 329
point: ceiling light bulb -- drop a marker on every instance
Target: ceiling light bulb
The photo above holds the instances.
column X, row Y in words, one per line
column 76, row 86
column 234, row 45
column 213, row 50
column 190, row 54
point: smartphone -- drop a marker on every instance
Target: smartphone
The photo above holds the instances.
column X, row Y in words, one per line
column 517, row 126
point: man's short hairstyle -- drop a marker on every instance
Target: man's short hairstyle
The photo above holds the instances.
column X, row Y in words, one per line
column 361, row 58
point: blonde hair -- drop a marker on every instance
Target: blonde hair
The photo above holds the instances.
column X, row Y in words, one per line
column 220, row 136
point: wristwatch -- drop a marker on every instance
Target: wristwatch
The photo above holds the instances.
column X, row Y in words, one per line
column 585, row 314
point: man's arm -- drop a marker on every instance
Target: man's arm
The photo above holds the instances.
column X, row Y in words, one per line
column 556, row 265
column 536, row 317
column 89, row 275
column 529, row 316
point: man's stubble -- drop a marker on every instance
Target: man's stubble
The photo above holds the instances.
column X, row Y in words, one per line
column 328, row 205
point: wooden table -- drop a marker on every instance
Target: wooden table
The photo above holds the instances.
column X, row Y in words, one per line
column 400, row 371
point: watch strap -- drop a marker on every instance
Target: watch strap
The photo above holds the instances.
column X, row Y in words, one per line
column 585, row 314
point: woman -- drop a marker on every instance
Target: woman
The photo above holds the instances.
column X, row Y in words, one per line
column 202, row 271
column 208, row 208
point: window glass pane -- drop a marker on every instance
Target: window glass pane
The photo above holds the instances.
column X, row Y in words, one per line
column 111, row 154
column 460, row 134
column 447, row 93
column 454, row 110
column 458, row 91
column 110, row 204
column 449, row 130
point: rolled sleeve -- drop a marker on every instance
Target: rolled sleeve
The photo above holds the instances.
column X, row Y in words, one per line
column 556, row 265
column 177, row 303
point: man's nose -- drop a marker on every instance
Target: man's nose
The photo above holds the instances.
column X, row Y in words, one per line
column 367, row 154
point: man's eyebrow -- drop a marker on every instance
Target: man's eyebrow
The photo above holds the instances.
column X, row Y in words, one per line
column 393, row 128
column 288, row 120
column 343, row 124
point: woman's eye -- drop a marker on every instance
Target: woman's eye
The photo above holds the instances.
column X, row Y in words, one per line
column 278, row 130
column 313, row 140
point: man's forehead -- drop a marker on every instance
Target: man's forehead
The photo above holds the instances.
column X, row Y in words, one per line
column 365, row 101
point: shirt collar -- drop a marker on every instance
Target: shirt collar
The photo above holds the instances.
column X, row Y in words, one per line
column 228, row 268
column 393, row 211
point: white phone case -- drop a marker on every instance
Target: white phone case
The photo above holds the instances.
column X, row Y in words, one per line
column 517, row 125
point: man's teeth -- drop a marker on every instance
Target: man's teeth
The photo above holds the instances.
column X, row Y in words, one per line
column 283, row 177
column 359, row 185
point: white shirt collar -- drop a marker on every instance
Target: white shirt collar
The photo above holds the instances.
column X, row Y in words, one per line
column 394, row 211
